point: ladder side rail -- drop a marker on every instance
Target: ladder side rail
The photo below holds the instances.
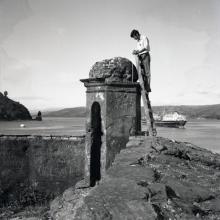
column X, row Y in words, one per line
column 146, row 101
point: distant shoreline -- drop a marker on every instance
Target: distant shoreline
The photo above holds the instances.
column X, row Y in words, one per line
column 191, row 112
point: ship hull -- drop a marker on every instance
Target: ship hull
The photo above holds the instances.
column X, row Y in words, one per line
column 171, row 124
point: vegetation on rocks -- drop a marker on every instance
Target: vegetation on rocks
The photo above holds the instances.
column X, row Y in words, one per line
column 11, row 110
column 150, row 179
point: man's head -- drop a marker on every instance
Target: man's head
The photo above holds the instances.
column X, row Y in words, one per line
column 135, row 34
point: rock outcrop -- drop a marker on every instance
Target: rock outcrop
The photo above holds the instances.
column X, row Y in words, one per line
column 39, row 116
column 11, row 110
column 117, row 69
column 150, row 179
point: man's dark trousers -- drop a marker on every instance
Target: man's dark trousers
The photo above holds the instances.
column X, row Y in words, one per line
column 144, row 60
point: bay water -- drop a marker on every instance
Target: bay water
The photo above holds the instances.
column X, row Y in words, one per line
column 203, row 132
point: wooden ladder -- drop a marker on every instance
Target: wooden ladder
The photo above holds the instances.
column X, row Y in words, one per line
column 151, row 129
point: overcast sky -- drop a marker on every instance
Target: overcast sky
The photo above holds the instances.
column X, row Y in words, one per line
column 47, row 46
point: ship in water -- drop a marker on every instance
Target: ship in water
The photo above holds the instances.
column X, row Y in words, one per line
column 173, row 120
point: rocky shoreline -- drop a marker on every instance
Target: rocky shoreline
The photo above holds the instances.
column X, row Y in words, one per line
column 150, row 179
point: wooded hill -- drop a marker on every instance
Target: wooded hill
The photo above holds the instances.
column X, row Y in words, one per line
column 12, row 110
column 190, row 111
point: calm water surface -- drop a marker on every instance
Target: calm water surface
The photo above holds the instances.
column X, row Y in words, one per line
column 203, row 133
column 49, row 126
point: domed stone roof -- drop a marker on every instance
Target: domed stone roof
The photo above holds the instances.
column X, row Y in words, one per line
column 115, row 69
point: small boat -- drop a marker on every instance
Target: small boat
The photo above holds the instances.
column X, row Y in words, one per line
column 173, row 120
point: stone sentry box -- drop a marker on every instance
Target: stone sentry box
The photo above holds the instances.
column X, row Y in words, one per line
column 112, row 114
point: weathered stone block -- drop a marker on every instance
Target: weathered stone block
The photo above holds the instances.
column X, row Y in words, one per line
column 117, row 69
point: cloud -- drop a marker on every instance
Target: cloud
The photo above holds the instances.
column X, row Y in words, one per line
column 200, row 15
column 31, row 98
column 180, row 94
column 209, row 93
column 15, row 76
column 211, row 96
column 60, row 31
column 11, row 13
column 204, row 93
column 12, row 71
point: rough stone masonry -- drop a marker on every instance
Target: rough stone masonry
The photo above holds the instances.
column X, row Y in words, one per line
column 149, row 180
column 112, row 91
column 43, row 165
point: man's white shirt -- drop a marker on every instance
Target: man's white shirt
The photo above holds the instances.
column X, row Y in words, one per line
column 143, row 43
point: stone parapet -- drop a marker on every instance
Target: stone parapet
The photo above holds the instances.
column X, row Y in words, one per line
column 42, row 164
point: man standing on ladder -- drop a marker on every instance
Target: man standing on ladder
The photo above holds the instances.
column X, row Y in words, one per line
column 143, row 55
column 143, row 65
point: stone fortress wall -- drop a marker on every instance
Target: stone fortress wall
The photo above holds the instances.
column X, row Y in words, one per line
column 41, row 166
column 44, row 166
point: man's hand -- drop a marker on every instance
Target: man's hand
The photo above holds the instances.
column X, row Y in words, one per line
column 135, row 52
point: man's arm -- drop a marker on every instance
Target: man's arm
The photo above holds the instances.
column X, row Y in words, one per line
column 136, row 52
column 142, row 50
